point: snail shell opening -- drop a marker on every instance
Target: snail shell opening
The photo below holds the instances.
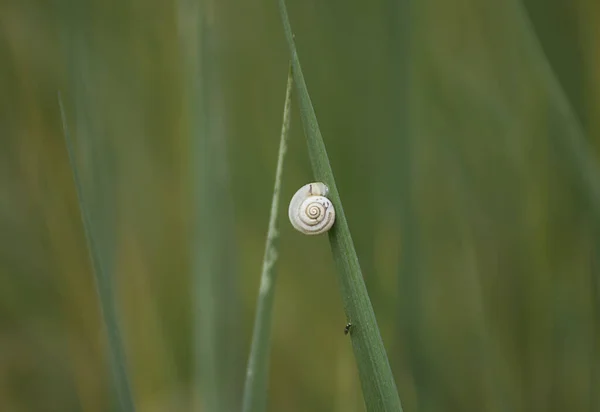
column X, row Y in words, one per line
column 310, row 211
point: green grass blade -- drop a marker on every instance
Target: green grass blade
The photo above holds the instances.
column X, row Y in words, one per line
column 257, row 374
column 104, row 287
column 218, row 358
column 377, row 381
column 571, row 141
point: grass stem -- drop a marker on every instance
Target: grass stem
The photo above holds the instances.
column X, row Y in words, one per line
column 377, row 381
column 104, row 287
column 257, row 374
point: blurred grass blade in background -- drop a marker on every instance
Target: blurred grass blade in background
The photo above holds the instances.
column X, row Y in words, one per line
column 572, row 142
column 217, row 377
column 378, row 385
column 577, row 148
column 257, row 374
column 104, row 286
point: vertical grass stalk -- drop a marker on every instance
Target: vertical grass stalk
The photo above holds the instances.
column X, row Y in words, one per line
column 257, row 373
column 570, row 140
column 377, row 381
column 217, row 365
column 104, row 287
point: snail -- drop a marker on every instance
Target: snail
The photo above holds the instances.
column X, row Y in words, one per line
column 310, row 211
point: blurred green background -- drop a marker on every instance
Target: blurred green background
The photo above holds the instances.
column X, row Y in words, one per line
column 463, row 136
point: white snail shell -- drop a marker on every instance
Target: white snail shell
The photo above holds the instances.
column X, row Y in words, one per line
column 311, row 212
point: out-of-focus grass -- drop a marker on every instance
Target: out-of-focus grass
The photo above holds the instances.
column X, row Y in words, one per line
column 499, row 232
column 217, row 353
column 96, row 189
column 103, row 275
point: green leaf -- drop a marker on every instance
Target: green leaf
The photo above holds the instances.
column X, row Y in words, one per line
column 377, row 381
column 257, row 375
column 104, row 285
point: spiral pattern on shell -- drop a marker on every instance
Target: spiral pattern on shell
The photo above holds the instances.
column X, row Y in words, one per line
column 310, row 211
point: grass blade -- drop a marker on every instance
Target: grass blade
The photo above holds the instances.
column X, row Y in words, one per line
column 257, row 374
column 104, row 288
column 572, row 140
column 218, row 360
column 377, row 381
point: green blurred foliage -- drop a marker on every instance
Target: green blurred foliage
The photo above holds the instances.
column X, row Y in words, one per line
column 477, row 238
